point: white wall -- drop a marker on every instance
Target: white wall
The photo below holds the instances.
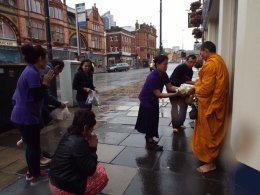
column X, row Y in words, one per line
column 245, row 129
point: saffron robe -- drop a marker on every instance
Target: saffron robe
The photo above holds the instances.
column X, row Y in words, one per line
column 212, row 91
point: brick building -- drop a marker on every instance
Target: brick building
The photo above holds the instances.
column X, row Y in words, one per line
column 15, row 30
column 145, row 39
column 120, row 46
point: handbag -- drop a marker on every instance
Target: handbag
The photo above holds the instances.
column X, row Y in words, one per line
column 194, row 109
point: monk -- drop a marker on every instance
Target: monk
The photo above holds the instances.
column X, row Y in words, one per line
column 212, row 91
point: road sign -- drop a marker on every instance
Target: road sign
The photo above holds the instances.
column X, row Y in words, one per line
column 81, row 14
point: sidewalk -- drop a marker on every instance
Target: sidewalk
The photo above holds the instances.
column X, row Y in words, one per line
column 130, row 167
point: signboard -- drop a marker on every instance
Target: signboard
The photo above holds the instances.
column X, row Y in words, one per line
column 8, row 43
column 81, row 14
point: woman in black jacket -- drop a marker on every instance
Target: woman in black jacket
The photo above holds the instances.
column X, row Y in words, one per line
column 75, row 159
column 83, row 83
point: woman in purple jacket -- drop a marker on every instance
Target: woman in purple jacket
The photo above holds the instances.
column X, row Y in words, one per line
column 148, row 115
column 26, row 114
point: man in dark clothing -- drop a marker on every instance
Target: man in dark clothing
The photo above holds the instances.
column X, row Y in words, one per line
column 51, row 102
column 182, row 74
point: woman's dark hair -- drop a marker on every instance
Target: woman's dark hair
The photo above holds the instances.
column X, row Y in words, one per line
column 57, row 62
column 82, row 118
column 208, row 45
column 82, row 63
column 32, row 53
column 160, row 59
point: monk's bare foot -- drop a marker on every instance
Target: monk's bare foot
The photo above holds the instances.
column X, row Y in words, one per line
column 206, row 168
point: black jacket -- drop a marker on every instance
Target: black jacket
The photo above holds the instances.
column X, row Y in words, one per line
column 181, row 74
column 80, row 81
column 73, row 161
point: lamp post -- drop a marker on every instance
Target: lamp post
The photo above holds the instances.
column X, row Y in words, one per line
column 29, row 20
column 53, row 85
column 160, row 48
column 48, row 29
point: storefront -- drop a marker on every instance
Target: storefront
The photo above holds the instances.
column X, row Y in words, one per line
column 9, row 48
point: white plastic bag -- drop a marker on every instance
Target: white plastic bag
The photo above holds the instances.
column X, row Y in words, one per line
column 61, row 114
column 96, row 101
column 90, row 98
column 93, row 98
column 184, row 88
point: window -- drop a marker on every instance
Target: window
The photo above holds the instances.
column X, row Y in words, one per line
column 115, row 49
column 71, row 20
column 115, row 38
column 95, row 27
column 111, row 49
column 6, row 32
column 57, row 34
column 73, row 41
column 36, row 6
column 51, row 12
column 9, row 2
column 111, row 38
column 95, row 42
column 36, row 29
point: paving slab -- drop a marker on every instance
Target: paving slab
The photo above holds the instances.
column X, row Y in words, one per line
column 22, row 187
column 176, row 143
column 106, row 153
column 134, row 108
column 7, row 179
column 137, row 157
column 110, row 127
column 9, row 156
column 119, row 178
column 111, row 137
column 124, row 120
column 132, row 113
column 134, row 140
column 167, row 183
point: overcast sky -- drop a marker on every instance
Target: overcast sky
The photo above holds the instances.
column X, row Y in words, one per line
column 126, row 12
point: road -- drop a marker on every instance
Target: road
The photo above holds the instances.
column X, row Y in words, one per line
column 113, row 80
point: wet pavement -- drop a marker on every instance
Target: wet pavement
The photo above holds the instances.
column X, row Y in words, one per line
column 130, row 167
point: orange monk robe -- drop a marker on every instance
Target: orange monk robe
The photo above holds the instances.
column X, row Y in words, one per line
column 212, row 92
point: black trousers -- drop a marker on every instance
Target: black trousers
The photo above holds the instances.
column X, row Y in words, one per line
column 179, row 111
column 31, row 137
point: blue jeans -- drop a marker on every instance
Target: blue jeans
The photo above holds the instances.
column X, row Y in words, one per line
column 83, row 105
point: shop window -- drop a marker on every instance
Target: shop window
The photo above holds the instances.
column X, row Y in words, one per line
column 6, row 32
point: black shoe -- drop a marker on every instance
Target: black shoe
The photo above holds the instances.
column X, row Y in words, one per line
column 154, row 147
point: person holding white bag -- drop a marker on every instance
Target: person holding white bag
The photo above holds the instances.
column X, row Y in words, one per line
column 83, row 83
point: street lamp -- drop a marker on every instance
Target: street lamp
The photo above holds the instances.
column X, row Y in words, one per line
column 160, row 28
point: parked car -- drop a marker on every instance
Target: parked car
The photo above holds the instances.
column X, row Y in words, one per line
column 118, row 67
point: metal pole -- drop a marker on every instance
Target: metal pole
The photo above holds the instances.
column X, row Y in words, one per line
column 161, row 27
column 29, row 21
column 53, row 85
column 78, row 35
column 48, row 30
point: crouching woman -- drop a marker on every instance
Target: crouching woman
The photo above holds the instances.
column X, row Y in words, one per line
column 74, row 168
